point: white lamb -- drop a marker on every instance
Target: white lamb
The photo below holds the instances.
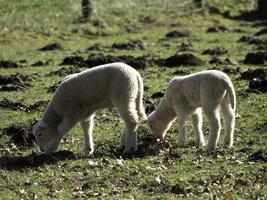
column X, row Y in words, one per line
column 186, row 95
column 80, row 95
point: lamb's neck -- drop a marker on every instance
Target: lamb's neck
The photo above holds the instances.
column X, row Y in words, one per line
column 165, row 111
column 51, row 117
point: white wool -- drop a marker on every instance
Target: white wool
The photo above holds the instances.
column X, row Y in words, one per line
column 208, row 91
column 80, row 95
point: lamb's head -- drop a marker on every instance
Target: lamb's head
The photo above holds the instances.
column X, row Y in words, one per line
column 158, row 125
column 45, row 137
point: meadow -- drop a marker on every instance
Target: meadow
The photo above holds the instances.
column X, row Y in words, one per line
column 42, row 41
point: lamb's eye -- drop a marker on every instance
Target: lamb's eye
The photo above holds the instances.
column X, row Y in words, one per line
column 40, row 135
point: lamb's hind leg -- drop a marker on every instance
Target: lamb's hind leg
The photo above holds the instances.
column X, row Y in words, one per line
column 87, row 127
column 197, row 124
column 129, row 137
column 214, row 126
column 229, row 120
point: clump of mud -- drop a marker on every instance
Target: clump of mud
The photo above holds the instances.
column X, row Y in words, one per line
column 186, row 59
column 258, row 85
column 256, row 58
column 51, row 47
column 215, row 52
column 261, row 32
column 96, row 47
column 260, row 73
column 64, row 71
column 9, row 64
column 218, row 29
column 133, row 44
column 178, row 34
column 17, row 105
column 16, row 82
column 35, row 159
column 219, row 61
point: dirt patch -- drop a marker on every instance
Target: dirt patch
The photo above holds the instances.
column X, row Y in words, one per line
column 96, row 47
column 259, row 73
column 16, row 82
column 9, row 64
column 181, row 59
column 256, row 58
column 35, row 160
column 51, row 47
column 261, row 32
column 53, row 88
column 21, row 136
column 14, row 105
column 218, row 29
column 186, row 47
column 259, row 156
column 226, row 61
column 133, row 44
column 215, row 52
column 40, row 63
column 178, row 34
column 64, row 71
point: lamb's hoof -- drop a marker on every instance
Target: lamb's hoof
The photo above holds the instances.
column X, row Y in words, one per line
column 130, row 150
column 88, row 151
column 199, row 144
column 182, row 144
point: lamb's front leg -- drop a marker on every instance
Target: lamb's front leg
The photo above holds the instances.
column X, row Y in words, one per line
column 181, row 138
column 197, row 124
column 87, row 127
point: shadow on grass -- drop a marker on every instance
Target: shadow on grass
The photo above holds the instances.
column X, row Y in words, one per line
column 34, row 160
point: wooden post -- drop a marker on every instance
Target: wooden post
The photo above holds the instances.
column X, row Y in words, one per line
column 262, row 9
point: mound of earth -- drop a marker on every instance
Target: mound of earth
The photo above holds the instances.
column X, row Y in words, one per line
column 133, row 44
column 51, row 47
column 9, row 64
column 35, row 159
column 15, row 105
column 40, row 63
column 261, row 32
column 96, row 47
column 181, row 59
column 259, row 156
column 215, row 52
column 178, row 34
column 218, row 29
column 258, row 85
column 16, row 82
column 74, row 60
column 186, row 47
column 21, row 136
column 64, row 71
column 227, row 70
column 259, row 73
column 256, row 58
column 53, row 88
column 157, row 95
column 226, row 61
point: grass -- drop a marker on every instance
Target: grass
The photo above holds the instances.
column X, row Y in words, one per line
column 163, row 171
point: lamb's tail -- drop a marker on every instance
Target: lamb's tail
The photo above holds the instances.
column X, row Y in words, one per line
column 139, row 100
column 231, row 91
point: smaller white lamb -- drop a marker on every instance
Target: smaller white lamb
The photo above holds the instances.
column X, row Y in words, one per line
column 80, row 95
column 209, row 91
